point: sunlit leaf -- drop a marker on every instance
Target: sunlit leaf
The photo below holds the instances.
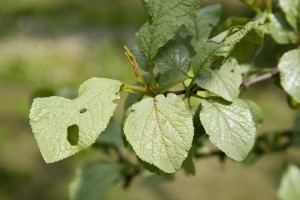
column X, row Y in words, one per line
column 291, row 8
column 229, row 126
column 279, row 29
column 51, row 117
column 160, row 130
column 224, row 81
column 289, row 67
column 289, row 183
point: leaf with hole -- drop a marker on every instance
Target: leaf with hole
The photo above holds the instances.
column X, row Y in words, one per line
column 160, row 130
column 229, row 126
column 63, row 127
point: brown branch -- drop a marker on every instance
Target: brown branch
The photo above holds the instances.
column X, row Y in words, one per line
column 246, row 84
column 283, row 139
column 179, row 92
column 218, row 153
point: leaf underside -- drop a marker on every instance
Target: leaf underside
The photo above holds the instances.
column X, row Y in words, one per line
column 51, row 117
column 160, row 130
column 224, row 82
column 289, row 184
column 289, row 68
column 229, row 126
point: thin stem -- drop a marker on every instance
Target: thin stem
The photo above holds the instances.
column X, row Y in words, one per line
column 197, row 96
column 268, row 4
column 137, row 89
column 152, row 77
column 268, row 75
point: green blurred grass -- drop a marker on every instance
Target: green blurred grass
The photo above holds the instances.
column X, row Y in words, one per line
column 60, row 43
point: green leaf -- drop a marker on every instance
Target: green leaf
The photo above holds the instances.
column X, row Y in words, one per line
column 51, row 117
column 231, row 22
column 111, row 135
column 93, row 179
column 289, row 68
column 211, row 51
column 172, row 63
column 296, row 138
column 229, row 126
column 165, row 19
column 160, row 130
column 201, row 27
column 279, row 29
column 131, row 99
column 224, row 82
column 256, row 112
column 291, row 8
column 289, row 183
column 253, row 3
column 204, row 56
column 232, row 40
column 188, row 164
column 141, row 60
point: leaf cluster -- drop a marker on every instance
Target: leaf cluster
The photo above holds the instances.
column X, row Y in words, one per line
column 189, row 69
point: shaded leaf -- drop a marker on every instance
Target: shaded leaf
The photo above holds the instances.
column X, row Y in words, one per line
column 229, row 126
column 296, row 139
column 131, row 99
column 111, row 135
column 256, row 112
column 201, row 27
column 172, row 63
column 50, row 118
column 141, row 60
column 160, row 130
column 188, row 164
column 93, row 179
column 165, row 19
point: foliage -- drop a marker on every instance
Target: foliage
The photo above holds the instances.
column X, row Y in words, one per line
column 181, row 50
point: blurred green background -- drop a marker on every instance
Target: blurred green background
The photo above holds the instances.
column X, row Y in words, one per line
column 57, row 44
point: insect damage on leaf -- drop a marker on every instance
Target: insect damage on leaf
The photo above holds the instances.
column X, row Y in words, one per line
column 63, row 127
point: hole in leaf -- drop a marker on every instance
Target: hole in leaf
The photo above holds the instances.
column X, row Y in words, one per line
column 83, row 110
column 232, row 70
column 73, row 134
